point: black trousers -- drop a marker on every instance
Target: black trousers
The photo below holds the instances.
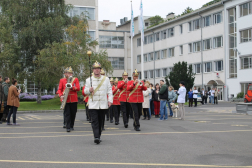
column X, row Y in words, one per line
column 103, row 121
column 87, row 114
column 14, row 112
column 1, row 114
column 116, row 110
column 6, row 111
column 71, row 110
column 137, row 111
column 195, row 102
column 111, row 114
column 215, row 100
column 97, row 121
column 125, row 108
column 64, row 117
column 206, row 99
column 146, row 113
column 190, row 102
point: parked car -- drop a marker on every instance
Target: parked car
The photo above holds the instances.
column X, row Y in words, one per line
column 199, row 99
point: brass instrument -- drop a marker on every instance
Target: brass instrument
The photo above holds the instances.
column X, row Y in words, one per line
column 140, row 83
column 66, row 92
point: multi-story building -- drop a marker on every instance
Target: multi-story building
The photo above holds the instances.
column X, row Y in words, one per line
column 238, row 50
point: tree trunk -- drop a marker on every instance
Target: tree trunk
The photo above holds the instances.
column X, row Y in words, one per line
column 39, row 93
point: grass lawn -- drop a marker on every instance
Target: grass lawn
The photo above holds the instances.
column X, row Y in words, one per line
column 53, row 104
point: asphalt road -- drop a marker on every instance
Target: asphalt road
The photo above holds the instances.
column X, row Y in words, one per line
column 210, row 136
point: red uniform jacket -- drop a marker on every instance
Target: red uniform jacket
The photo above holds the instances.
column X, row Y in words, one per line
column 116, row 93
column 85, row 96
column 137, row 96
column 72, row 96
column 124, row 94
column 62, row 82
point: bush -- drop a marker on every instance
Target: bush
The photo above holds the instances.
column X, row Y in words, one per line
column 240, row 95
column 29, row 97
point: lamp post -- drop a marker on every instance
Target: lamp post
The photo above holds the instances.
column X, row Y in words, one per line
column 89, row 53
column 154, row 57
column 201, row 26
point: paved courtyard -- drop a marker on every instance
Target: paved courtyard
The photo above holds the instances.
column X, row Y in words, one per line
column 210, row 136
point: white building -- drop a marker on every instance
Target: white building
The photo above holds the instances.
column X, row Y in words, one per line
column 238, row 29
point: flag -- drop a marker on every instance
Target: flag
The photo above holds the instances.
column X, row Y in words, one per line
column 132, row 30
column 141, row 21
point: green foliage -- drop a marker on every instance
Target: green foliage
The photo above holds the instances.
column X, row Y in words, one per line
column 240, row 95
column 156, row 20
column 187, row 10
column 181, row 73
column 210, row 3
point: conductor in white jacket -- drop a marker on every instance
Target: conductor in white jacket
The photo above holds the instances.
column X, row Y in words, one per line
column 100, row 99
column 181, row 99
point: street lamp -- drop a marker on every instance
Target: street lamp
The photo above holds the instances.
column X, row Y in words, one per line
column 154, row 55
column 89, row 53
column 202, row 70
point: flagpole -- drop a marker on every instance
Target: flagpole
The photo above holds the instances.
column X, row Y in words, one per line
column 132, row 33
column 141, row 27
column 142, row 58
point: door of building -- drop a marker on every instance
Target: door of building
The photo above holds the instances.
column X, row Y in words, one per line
column 220, row 90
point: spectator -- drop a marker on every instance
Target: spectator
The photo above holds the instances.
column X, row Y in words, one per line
column 146, row 103
column 190, row 96
column 181, row 99
column 212, row 95
column 163, row 96
column 209, row 95
column 156, row 100
column 202, row 96
column 151, row 109
column 1, row 98
column 195, row 96
column 5, row 90
column 206, row 96
column 171, row 98
column 216, row 96
column 13, row 101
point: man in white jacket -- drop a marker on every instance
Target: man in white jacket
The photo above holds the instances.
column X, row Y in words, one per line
column 98, row 88
column 181, row 99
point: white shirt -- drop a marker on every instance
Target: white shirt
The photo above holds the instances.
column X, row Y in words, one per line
column 182, row 94
column 212, row 92
column 195, row 96
column 100, row 99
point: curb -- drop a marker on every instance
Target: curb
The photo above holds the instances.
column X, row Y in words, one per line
column 47, row 111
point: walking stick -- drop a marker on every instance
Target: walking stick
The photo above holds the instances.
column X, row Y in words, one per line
column 89, row 53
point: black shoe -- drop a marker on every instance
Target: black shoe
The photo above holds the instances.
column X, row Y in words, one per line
column 144, row 118
column 116, row 123
column 90, row 121
column 0, row 122
column 137, row 129
column 107, row 119
column 64, row 126
column 71, row 129
column 111, row 121
column 103, row 129
column 87, row 119
column 126, row 125
column 97, row 141
column 68, row 130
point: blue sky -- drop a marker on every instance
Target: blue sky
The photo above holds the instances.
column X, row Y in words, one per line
column 114, row 10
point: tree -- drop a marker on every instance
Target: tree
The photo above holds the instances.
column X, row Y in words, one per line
column 187, row 10
column 181, row 73
column 156, row 20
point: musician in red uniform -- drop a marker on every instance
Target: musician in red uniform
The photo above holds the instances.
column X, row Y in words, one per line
column 72, row 100
column 110, row 110
column 136, row 88
column 63, row 82
column 123, row 96
column 116, row 102
column 86, row 104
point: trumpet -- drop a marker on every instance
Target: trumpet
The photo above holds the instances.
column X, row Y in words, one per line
column 141, row 83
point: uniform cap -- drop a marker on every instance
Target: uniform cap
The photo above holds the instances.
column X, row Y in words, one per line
column 96, row 65
column 135, row 73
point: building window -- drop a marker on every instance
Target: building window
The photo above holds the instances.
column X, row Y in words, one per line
column 190, row 26
column 150, row 39
column 245, row 35
column 165, row 72
column 145, row 58
column 217, row 42
column 196, row 24
column 139, row 59
column 151, row 74
column 170, row 69
column 157, row 55
column 163, row 34
column 217, row 18
column 246, row 63
column 157, row 36
column 146, row 24
column 181, row 50
column 145, row 40
column 92, row 34
column 164, row 54
column 157, row 73
column 208, row 67
column 196, row 46
column 117, row 62
column 171, row 32
column 245, row 9
column 197, row 68
column 181, row 29
column 207, row 21
column 171, row 52
column 140, row 75
column 145, row 74
column 207, row 44
column 111, row 42
column 190, row 48
column 138, row 42
column 219, row 66
column 77, row 11
column 150, row 57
